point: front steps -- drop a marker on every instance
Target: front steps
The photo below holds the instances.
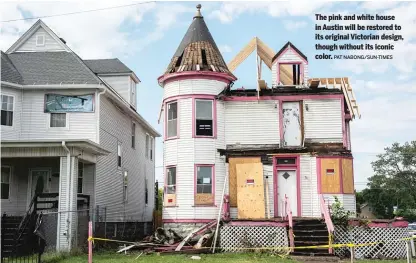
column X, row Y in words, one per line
column 310, row 232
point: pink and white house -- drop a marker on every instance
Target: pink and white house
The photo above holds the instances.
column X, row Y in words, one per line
column 298, row 130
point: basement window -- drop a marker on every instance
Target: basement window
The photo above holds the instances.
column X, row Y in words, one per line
column 290, row 74
column 204, row 118
column 204, row 185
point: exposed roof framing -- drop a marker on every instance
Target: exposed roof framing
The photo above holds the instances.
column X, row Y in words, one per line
column 342, row 84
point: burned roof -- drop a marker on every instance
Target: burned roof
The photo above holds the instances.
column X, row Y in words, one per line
column 107, row 66
column 292, row 46
column 198, row 50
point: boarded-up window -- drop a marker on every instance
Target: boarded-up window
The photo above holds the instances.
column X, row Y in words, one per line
column 172, row 119
column 204, row 118
column 204, row 185
column 330, row 175
column 290, row 74
column 347, row 176
column 170, row 187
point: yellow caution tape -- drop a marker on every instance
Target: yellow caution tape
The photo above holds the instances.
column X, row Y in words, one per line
column 273, row 248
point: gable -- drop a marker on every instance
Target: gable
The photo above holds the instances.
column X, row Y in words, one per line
column 289, row 47
column 50, row 43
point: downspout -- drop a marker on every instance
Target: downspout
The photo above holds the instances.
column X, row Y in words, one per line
column 98, row 103
column 68, row 194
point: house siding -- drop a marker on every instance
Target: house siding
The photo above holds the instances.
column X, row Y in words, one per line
column 50, row 43
column 289, row 56
column 13, row 132
column 347, row 200
column 323, row 120
column 252, row 122
column 121, row 84
column 310, row 205
column 35, row 122
column 193, row 86
column 109, row 177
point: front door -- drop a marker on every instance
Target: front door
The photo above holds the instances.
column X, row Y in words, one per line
column 286, row 186
column 39, row 182
column 292, row 133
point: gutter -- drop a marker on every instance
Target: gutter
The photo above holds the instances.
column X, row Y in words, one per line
column 69, row 195
column 52, row 86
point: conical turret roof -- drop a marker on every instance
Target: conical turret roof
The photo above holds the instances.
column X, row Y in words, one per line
column 197, row 50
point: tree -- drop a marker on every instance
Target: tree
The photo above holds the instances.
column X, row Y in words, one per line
column 393, row 182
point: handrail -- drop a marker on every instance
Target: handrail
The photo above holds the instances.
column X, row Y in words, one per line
column 26, row 219
column 328, row 222
column 290, row 219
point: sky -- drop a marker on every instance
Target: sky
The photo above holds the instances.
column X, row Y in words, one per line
column 145, row 37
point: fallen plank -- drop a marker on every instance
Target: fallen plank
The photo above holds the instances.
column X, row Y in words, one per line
column 188, row 251
column 125, row 248
column 194, row 233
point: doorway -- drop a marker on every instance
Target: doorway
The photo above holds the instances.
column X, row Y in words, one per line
column 38, row 182
column 286, row 184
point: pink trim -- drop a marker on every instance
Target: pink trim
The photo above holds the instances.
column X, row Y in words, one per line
column 281, row 55
column 257, row 223
column 280, row 116
column 403, row 224
column 344, row 134
column 285, row 98
column 318, row 173
column 212, row 182
column 212, row 75
column 166, row 121
column 341, row 179
column 295, row 167
column 302, row 76
column 187, row 220
column 214, row 119
column 190, row 96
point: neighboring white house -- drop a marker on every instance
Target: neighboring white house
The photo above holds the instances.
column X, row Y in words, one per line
column 71, row 126
column 291, row 140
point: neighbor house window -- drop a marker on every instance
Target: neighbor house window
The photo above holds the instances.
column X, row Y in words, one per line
column 7, row 110
column 6, row 172
column 146, row 192
column 40, row 40
column 80, row 177
column 119, row 155
column 147, row 146
column 133, row 135
column 125, row 184
column 204, row 185
column 151, row 148
column 172, row 119
column 58, row 120
column 204, row 118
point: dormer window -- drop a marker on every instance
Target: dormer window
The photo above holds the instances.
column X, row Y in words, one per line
column 40, row 40
column 290, row 73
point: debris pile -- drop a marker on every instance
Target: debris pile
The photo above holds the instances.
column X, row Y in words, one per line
column 168, row 241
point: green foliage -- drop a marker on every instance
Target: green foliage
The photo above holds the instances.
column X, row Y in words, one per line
column 359, row 200
column 160, row 197
column 393, row 182
column 339, row 215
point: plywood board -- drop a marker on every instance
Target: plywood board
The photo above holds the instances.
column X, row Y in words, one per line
column 232, row 175
column 170, row 200
column 347, row 176
column 286, row 74
column 250, row 191
column 204, row 199
column 330, row 182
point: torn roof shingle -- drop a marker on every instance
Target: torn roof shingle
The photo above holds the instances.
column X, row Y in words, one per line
column 9, row 73
column 107, row 66
column 43, row 68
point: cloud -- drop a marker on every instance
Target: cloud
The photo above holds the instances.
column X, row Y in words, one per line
column 378, row 5
column 100, row 34
column 225, row 49
column 229, row 11
column 294, row 25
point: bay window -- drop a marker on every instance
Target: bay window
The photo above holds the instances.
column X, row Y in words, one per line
column 204, row 194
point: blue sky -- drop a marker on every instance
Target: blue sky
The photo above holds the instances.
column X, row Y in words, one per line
column 145, row 37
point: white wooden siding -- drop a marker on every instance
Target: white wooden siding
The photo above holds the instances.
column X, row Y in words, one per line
column 121, row 84
column 310, row 205
column 323, row 120
column 347, row 200
column 252, row 122
column 193, row 86
column 289, row 56
column 35, row 122
column 115, row 128
column 50, row 43
column 13, row 132
column 268, row 172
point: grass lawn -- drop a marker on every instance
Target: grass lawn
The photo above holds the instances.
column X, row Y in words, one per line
column 154, row 258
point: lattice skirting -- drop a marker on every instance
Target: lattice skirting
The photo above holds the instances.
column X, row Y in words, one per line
column 234, row 238
column 360, row 235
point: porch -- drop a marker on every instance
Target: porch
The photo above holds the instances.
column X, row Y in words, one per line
column 52, row 178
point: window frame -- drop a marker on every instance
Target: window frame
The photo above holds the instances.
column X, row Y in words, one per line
column 214, row 117
column 133, row 135
column 125, row 177
column 13, row 110
column 146, row 192
column 40, row 36
column 212, row 166
column 80, row 177
column 146, row 148
column 176, row 136
column 66, row 127
column 166, row 185
column 9, row 183
column 301, row 70
column 119, row 155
